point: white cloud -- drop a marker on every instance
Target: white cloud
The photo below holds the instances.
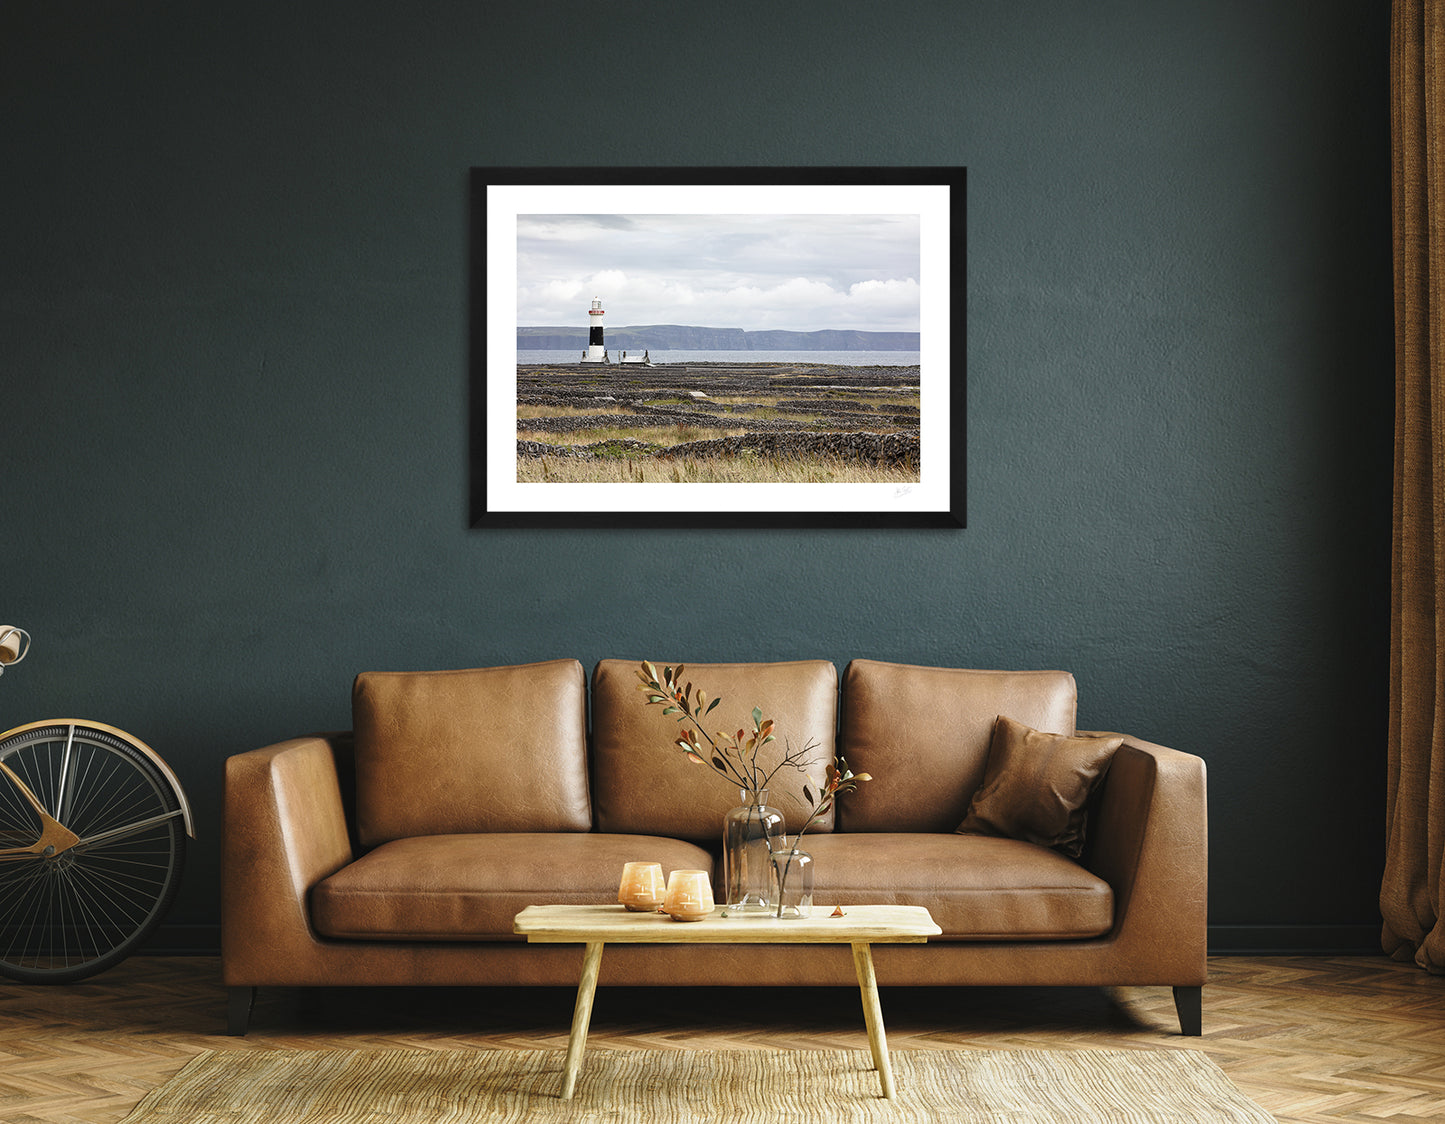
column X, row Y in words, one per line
column 800, row 272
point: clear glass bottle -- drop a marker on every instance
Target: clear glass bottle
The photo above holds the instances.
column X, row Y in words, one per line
column 793, row 882
column 750, row 832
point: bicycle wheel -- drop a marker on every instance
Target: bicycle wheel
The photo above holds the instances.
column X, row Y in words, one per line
column 83, row 906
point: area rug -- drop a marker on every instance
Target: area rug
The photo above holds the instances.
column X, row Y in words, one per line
column 691, row 1087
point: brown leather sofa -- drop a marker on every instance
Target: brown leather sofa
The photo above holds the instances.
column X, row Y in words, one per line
column 400, row 852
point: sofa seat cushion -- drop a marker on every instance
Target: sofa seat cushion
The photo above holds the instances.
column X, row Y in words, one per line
column 976, row 887
column 470, row 887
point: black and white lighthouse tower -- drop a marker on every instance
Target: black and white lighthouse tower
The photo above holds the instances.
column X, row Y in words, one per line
column 596, row 350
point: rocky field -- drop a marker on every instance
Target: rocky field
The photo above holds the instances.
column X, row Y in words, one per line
column 731, row 422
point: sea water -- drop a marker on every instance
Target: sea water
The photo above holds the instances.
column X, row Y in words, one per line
column 841, row 358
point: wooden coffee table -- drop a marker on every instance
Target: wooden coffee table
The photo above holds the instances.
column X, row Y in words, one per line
column 596, row 925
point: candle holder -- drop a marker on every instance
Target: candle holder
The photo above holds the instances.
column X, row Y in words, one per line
column 689, row 895
column 642, row 889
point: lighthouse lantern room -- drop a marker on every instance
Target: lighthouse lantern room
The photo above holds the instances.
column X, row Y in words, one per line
column 596, row 350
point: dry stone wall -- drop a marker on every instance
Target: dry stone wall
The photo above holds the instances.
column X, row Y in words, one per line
column 797, row 411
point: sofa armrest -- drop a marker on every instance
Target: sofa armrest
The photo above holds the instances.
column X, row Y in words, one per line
column 285, row 830
column 1149, row 841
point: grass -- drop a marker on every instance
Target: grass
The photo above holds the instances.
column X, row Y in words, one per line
column 745, row 469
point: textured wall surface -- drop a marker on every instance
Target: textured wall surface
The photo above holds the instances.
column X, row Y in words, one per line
column 233, row 375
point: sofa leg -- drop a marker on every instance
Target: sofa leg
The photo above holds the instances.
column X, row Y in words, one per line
column 1189, row 1003
column 239, row 1002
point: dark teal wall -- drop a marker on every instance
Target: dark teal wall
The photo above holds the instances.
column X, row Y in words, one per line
column 233, row 374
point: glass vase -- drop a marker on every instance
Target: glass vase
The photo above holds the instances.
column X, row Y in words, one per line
column 793, row 882
column 750, row 833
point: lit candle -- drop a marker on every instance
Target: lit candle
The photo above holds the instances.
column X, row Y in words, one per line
column 689, row 895
column 642, row 887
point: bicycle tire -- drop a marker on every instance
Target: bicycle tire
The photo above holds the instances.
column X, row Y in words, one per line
column 70, row 915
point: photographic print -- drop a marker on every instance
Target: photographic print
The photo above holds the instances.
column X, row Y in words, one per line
column 718, row 347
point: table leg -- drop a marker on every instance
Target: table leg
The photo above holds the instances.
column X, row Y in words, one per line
column 873, row 1015
column 581, row 1017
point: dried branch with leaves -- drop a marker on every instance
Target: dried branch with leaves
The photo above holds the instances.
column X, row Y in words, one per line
column 733, row 755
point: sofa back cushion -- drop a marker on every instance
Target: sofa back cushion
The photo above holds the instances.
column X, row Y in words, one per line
column 486, row 749
column 643, row 783
column 923, row 733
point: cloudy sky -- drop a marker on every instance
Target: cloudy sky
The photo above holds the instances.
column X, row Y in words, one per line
column 752, row 271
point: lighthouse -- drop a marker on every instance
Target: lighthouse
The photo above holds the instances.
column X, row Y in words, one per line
column 596, row 351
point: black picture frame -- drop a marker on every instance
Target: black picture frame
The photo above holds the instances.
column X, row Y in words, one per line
column 499, row 194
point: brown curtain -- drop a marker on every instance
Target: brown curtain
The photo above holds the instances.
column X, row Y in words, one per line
column 1412, row 894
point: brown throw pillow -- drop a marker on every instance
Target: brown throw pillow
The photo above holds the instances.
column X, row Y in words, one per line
column 1036, row 786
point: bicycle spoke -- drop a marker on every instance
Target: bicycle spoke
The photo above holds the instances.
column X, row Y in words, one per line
column 19, row 825
column 123, row 807
column 14, row 808
column 137, row 892
column 87, row 786
column 84, row 921
column 23, row 769
column 25, row 886
column 29, row 909
column 62, row 793
column 122, row 802
column 97, row 908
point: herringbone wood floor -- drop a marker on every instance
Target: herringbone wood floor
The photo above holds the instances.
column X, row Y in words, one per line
column 1308, row 1038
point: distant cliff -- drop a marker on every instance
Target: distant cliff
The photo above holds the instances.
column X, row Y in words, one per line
column 677, row 337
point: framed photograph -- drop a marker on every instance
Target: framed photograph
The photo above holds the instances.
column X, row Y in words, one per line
column 718, row 347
